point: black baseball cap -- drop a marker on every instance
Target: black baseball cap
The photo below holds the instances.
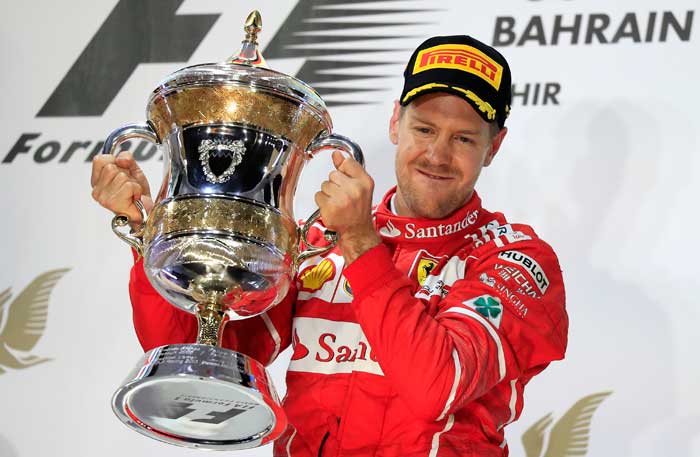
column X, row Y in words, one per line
column 463, row 66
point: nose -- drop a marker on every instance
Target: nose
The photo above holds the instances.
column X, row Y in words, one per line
column 438, row 151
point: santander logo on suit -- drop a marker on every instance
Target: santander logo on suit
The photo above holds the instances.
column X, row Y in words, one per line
column 327, row 347
column 411, row 231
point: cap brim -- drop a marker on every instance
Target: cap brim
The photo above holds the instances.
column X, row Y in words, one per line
column 484, row 110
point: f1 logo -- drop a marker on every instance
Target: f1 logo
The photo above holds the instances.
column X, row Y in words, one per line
column 178, row 410
column 136, row 31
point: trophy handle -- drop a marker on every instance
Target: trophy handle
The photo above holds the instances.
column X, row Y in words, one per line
column 331, row 142
column 119, row 222
column 133, row 238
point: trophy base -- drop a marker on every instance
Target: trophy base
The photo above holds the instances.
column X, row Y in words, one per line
column 201, row 396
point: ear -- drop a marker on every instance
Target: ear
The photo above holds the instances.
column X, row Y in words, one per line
column 495, row 146
column 394, row 123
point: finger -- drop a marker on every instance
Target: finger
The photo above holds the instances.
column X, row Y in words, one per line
column 340, row 178
column 122, row 182
column 355, row 185
column 111, row 200
column 98, row 164
column 321, row 199
column 126, row 160
column 135, row 188
column 111, row 195
column 324, row 203
column 330, row 188
column 107, row 175
column 133, row 214
column 123, row 200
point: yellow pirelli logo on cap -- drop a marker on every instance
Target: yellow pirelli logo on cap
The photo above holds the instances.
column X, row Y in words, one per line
column 460, row 57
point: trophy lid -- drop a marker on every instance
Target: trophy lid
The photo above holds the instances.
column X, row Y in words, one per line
column 247, row 68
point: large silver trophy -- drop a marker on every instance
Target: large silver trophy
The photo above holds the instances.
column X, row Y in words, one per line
column 221, row 241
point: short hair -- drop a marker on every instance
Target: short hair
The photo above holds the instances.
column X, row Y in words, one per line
column 495, row 129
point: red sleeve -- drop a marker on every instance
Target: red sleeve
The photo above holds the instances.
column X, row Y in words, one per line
column 265, row 336
column 158, row 323
column 487, row 328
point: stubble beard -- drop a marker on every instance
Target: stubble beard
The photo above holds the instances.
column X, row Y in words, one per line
column 427, row 205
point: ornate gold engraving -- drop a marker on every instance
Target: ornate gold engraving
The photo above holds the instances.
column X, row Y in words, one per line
column 211, row 320
column 234, row 104
column 232, row 216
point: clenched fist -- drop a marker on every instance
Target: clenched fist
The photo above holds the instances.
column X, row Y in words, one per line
column 117, row 182
column 345, row 201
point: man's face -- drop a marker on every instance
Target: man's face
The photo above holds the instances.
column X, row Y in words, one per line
column 442, row 145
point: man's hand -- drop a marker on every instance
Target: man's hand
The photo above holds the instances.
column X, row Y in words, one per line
column 345, row 201
column 117, row 182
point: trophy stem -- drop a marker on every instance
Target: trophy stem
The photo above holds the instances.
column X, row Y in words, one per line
column 211, row 319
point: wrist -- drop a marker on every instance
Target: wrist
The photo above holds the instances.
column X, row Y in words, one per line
column 355, row 243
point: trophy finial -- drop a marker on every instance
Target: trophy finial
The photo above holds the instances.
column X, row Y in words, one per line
column 253, row 26
column 249, row 53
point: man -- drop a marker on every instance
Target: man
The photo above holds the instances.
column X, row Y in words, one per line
column 419, row 332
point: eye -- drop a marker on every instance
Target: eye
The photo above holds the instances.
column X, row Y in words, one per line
column 464, row 139
column 423, row 130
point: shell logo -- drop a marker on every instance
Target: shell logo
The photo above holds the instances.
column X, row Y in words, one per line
column 314, row 277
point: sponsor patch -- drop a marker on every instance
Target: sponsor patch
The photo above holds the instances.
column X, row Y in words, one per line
column 346, row 287
column 314, row 277
column 488, row 280
column 488, row 306
column 438, row 231
column 389, row 230
column 300, row 351
column 425, row 266
column 530, row 265
column 331, row 347
column 460, row 57
column 513, row 275
column 440, row 284
column 516, row 303
column 497, row 233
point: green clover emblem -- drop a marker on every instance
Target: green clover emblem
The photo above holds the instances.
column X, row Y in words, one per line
column 488, row 307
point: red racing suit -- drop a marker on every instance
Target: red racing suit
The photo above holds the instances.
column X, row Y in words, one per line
column 421, row 347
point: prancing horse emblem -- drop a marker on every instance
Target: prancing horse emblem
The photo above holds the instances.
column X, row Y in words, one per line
column 220, row 149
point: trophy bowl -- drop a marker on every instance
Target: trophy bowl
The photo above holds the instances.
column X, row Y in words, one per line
column 221, row 241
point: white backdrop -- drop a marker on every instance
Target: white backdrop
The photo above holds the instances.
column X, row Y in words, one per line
column 607, row 173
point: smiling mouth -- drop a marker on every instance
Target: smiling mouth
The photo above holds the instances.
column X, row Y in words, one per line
column 432, row 176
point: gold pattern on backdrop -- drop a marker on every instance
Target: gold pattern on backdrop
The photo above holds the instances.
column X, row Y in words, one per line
column 571, row 433
column 26, row 321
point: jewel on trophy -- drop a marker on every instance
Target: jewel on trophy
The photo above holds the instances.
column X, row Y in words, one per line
column 220, row 150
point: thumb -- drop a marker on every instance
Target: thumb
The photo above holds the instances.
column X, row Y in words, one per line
column 338, row 159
